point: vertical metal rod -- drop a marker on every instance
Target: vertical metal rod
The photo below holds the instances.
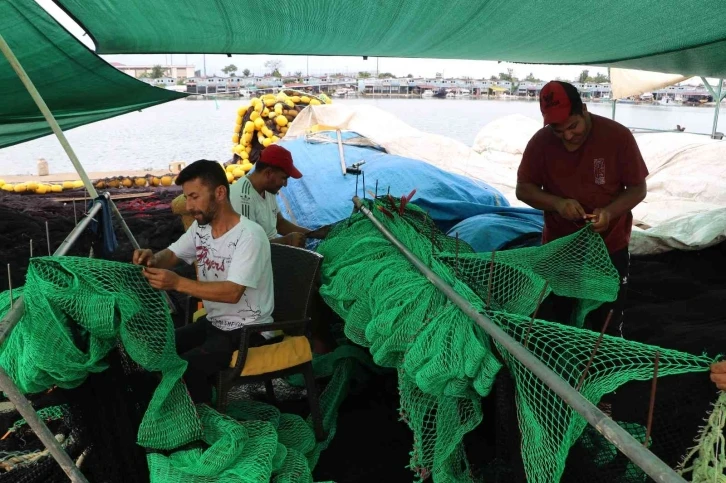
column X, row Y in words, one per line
column 651, row 405
column 47, row 236
column 364, row 184
column 456, row 269
column 491, row 276
column 433, row 226
column 356, row 184
column 594, row 350
column 376, row 195
column 135, row 244
column 31, row 248
column 13, row 61
column 40, row 429
column 623, row 441
column 75, row 217
column 341, row 153
column 614, row 104
column 717, row 109
column 10, row 287
column 534, row 314
column 389, row 191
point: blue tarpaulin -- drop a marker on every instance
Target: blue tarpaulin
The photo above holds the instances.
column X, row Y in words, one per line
column 494, row 230
column 323, row 195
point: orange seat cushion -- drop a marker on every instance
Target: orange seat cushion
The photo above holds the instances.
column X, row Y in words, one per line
column 292, row 351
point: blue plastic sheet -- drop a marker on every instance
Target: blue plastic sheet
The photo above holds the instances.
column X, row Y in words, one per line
column 480, row 213
column 496, row 229
column 323, row 195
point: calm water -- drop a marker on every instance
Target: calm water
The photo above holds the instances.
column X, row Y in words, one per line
column 187, row 130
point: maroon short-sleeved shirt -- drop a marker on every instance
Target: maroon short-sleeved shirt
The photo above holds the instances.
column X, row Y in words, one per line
column 594, row 175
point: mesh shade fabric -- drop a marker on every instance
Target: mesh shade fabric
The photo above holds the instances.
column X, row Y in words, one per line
column 446, row 363
column 77, row 85
column 656, row 36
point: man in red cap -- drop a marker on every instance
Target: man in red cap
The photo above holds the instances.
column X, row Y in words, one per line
column 583, row 168
column 254, row 197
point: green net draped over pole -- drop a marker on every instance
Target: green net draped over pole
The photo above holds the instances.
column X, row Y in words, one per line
column 446, row 363
column 78, row 309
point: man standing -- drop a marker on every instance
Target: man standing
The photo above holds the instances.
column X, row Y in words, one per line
column 583, row 168
column 254, row 197
column 234, row 275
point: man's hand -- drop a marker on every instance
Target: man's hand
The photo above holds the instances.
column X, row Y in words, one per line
column 718, row 374
column 320, row 233
column 143, row 256
column 161, row 279
column 295, row 239
column 601, row 220
column 570, row 210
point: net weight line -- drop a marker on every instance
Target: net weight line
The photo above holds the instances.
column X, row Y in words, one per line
column 629, row 446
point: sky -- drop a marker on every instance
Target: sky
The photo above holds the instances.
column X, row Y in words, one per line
column 317, row 65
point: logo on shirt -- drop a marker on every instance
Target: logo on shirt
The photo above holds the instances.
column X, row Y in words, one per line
column 208, row 260
column 599, row 169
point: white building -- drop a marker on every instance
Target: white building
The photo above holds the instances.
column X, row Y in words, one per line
column 173, row 71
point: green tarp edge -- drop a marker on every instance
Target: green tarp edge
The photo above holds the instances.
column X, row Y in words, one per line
column 656, row 35
column 78, row 86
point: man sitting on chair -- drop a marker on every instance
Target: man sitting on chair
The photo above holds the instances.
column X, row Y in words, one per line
column 254, row 197
column 234, row 276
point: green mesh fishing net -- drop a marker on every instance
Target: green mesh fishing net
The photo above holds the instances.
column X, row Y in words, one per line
column 446, row 363
column 77, row 310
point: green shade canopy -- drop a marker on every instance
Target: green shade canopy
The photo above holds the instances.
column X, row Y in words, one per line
column 660, row 35
column 77, row 85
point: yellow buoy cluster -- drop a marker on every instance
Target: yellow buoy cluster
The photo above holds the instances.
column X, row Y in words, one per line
column 135, row 181
column 41, row 188
column 263, row 121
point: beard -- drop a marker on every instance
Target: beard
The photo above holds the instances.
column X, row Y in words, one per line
column 206, row 217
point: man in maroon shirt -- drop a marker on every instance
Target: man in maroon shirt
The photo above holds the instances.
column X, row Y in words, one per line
column 583, row 168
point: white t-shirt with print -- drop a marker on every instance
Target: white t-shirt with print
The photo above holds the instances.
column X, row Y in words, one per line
column 242, row 256
column 249, row 203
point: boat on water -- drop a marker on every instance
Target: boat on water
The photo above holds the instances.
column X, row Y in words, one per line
column 344, row 92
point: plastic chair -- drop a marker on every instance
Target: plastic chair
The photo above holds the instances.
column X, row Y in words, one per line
column 294, row 273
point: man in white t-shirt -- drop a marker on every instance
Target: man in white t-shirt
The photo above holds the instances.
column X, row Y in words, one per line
column 254, row 197
column 234, row 274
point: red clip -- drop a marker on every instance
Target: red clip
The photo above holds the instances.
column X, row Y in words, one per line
column 385, row 211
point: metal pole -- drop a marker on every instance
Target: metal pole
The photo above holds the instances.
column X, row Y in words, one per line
column 341, row 154
column 13, row 61
column 615, row 101
column 647, row 461
column 14, row 315
column 40, row 429
column 136, row 245
column 717, row 109
column 10, row 287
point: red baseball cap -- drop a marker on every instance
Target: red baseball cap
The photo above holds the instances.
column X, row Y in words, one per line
column 554, row 103
column 279, row 157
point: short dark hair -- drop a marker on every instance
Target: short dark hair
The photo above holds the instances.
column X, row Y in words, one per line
column 574, row 96
column 211, row 173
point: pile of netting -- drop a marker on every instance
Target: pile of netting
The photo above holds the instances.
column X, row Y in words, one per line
column 446, row 363
column 89, row 329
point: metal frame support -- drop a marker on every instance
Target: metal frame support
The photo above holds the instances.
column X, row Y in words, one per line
column 48, row 115
column 7, row 385
column 718, row 96
column 628, row 445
